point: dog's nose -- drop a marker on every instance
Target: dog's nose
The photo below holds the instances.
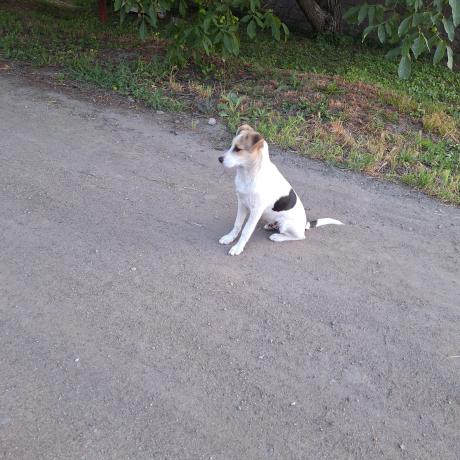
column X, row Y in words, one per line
column 221, row 159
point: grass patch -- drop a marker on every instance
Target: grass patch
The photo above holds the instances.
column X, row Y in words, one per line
column 440, row 123
column 338, row 101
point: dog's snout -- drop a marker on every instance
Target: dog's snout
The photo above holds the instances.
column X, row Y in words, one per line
column 221, row 159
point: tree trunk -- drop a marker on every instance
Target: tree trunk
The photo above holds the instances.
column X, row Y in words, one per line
column 102, row 6
column 324, row 15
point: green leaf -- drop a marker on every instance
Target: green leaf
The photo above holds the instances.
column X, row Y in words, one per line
column 236, row 45
column 117, row 5
column 449, row 28
column 276, row 28
column 207, row 44
column 268, row 18
column 218, row 37
column 251, row 29
column 379, row 13
column 419, row 46
column 405, row 46
column 428, row 47
column 433, row 40
column 143, row 30
column 227, row 43
column 404, row 68
column 404, row 26
column 131, row 6
column 367, row 31
column 182, row 7
column 417, row 19
column 362, row 13
column 206, row 24
column 351, row 12
column 434, row 18
column 388, row 29
column 393, row 53
column 455, row 5
column 439, row 53
column 286, row 30
column 371, row 14
column 450, row 58
column 152, row 16
column 165, row 5
column 231, row 45
column 259, row 21
column 381, row 33
column 276, row 33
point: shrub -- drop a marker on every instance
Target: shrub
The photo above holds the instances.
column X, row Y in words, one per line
column 412, row 27
column 198, row 27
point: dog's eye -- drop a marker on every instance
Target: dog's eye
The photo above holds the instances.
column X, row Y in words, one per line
column 237, row 149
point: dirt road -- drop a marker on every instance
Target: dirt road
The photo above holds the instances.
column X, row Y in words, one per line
column 126, row 332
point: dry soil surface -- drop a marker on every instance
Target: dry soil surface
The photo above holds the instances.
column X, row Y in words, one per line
column 127, row 332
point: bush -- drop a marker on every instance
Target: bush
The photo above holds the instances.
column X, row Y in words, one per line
column 413, row 27
column 198, row 27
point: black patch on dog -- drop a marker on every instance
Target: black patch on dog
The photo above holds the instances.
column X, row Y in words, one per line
column 286, row 202
column 313, row 223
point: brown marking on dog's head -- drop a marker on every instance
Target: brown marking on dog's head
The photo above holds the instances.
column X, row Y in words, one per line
column 248, row 142
column 244, row 128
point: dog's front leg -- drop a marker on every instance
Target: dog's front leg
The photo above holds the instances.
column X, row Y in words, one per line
column 248, row 230
column 239, row 221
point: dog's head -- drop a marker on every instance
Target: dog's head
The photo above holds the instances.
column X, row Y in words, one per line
column 246, row 148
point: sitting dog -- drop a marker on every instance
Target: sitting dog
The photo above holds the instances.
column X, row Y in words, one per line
column 263, row 193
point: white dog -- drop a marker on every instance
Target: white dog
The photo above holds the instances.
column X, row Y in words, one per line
column 263, row 193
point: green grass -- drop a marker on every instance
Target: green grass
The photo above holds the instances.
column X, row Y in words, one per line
column 347, row 58
column 77, row 41
column 338, row 101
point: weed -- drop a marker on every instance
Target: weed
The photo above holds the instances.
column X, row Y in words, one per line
column 203, row 91
column 229, row 109
column 342, row 134
column 323, row 147
column 390, row 116
column 440, row 123
column 284, row 131
column 407, row 157
column 175, row 85
column 332, row 88
column 295, row 81
column 444, row 155
column 359, row 160
column 402, row 102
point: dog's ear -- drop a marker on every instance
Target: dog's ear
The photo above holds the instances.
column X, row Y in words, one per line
column 256, row 141
column 244, row 128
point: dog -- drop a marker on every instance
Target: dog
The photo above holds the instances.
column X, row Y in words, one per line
column 263, row 193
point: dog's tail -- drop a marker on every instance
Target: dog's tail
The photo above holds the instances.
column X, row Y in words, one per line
column 321, row 222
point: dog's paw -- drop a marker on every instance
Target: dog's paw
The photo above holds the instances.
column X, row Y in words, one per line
column 277, row 237
column 236, row 250
column 227, row 239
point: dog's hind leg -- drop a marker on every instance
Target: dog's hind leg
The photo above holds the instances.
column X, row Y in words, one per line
column 272, row 226
column 278, row 237
column 288, row 233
